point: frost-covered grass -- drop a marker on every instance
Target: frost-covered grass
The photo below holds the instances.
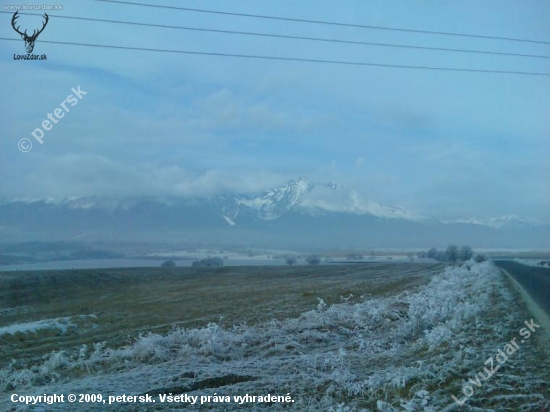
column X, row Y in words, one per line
column 406, row 351
column 61, row 324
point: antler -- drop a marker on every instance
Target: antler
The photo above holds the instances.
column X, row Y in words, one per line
column 35, row 34
column 15, row 16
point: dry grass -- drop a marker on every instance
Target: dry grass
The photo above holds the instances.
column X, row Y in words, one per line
column 129, row 301
column 391, row 351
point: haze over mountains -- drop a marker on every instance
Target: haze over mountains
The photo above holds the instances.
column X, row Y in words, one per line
column 299, row 214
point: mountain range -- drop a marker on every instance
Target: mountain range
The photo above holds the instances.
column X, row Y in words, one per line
column 298, row 214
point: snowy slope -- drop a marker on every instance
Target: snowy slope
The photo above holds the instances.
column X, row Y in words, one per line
column 315, row 199
column 274, row 203
column 497, row 222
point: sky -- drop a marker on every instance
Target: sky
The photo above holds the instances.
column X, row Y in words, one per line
column 442, row 144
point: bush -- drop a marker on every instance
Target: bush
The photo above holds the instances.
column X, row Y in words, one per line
column 433, row 253
column 209, row 261
column 480, row 258
column 168, row 264
column 466, row 253
column 313, row 260
column 451, row 254
column 290, row 260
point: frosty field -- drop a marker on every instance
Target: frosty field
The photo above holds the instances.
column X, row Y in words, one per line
column 374, row 337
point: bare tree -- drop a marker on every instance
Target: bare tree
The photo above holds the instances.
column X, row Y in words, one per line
column 451, row 253
column 465, row 253
column 313, row 260
column 432, row 253
column 290, row 260
column 168, row 264
column 480, row 258
column 209, row 261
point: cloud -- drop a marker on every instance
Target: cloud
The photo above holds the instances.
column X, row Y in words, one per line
column 77, row 175
column 156, row 123
column 226, row 112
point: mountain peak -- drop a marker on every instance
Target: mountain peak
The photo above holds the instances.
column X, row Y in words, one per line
column 273, row 203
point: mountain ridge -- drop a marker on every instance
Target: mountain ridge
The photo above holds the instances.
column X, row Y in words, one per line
column 274, row 203
column 298, row 213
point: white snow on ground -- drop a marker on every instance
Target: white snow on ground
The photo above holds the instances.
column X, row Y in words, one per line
column 408, row 352
column 14, row 310
column 531, row 262
column 59, row 323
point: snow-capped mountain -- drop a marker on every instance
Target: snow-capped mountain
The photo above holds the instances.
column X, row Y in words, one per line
column 354, row 202
column 274, row 203
column 317, row 199
column 299, row 213
column 497, row 222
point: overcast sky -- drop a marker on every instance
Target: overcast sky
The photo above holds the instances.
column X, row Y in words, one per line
column 443, row 144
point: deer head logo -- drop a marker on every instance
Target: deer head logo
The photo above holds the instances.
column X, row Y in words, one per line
column 29, row 40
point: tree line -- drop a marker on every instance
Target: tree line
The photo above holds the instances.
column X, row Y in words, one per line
column 452, row 254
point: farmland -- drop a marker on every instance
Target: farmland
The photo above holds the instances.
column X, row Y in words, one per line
column 358, row 336
column 114, row 305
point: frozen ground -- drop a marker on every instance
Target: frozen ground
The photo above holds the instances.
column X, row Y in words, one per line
column 401, row 337
column 24, row 328
column 533, row 262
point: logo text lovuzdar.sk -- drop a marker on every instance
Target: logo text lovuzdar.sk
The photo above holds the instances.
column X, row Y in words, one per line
column 29, row 39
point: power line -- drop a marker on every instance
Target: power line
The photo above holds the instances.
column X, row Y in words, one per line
column 282, row 36
column 332, row 23
column 295, row 59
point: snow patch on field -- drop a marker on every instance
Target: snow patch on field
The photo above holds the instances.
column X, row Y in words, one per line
column 409, row 352
column 59, row 323
column 13, row 311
